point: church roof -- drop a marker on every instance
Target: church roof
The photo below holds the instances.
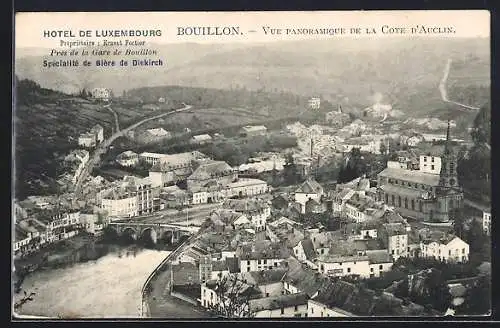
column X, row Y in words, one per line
column 414, row 176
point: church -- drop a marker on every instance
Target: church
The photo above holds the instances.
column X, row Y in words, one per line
column 423, row 194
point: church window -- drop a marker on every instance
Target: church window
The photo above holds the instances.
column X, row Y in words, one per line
column 413, row 204
column 406, row 202
column 399, row 201
column 392, row 199
column 420, row 206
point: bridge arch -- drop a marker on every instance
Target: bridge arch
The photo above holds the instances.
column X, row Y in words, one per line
column 129, row 232
column 149, row 233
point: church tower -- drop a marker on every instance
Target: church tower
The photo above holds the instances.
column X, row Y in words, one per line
column 448, row 175
column 449, row 195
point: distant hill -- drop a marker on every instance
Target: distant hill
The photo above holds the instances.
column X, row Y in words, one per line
column 405, row 72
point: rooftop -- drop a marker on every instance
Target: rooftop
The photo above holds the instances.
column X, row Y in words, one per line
column 246, row 205
column 210, row 170
column 310, row 186
column 414, row 176
column 278, row 302
column 303, row 277
column 266, row 276
column 253, row 128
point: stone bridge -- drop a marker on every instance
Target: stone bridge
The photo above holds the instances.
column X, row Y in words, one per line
column 155, row 230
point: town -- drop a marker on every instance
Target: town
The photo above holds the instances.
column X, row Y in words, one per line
column 354, row 217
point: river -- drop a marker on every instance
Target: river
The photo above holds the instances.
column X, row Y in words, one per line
column 109, row 287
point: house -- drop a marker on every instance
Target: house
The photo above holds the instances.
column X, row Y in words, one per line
column 304, row 252
column 394, row 237
column 447, row 248
column 172, row 168
column 134, row 196
column 174, row 197
column 215, row 294
column 364, row 144
column 487, row 221
column 262, row 256
column 280, row 202
column 314, row 103
column 87, row 140
column 151, row 158
column 256, row 210
column 345, row 299
column 230, row 218
column 255, row 130
column 193, row 255
column 159, row 133
column 217, row 172
column 244, row 187
column 430, row 164
column 302, row 279
column 269, row 282
column 280, row 306
column 286, row 222
column 310, row 189
column 313, row 206
column 101, row 94
column 98, row 131
column 201, row 139
column 361, row 208
column 127, row 158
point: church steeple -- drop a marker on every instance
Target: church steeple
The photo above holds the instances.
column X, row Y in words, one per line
column 448, row 140
column 448, row 175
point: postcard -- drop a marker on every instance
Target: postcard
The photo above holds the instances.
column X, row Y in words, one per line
column 251, row 165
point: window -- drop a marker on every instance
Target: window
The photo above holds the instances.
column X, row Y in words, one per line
column 463, row 250
column 406, row 202
column 296, row 308
column 386, row 198
column 449, row 252
column 282, row 310
column 408, row 249
column 371, row 269
column 380, row 267
column 432, row 167
column 348, row 270
column 248, row 262
column 399, row 201
column 322, row 268
column 267, row 294
column 432, row 159
column 312, row 310
column 425, row 159
column 413, row 204
column 392, row 252
column 258, row 262
column 392, row 199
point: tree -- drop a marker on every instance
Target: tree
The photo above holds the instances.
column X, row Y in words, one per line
column 475, row 237
column 458, row 222
column 232, row 298
column 478, row 298
column 26, row 298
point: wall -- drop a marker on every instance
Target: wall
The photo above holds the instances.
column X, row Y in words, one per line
column 255, row 266
column 303, row 198
column 361, row 268
column 318, row 310
column 288, row 312
column 274, row 289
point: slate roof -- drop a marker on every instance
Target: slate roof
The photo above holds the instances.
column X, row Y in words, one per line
column 414, row 176
column 378, row 256
column 308, row 247
column 210, row 170
column 267, row 276
column 310, row 187
column 278, row 302
column 304, row 278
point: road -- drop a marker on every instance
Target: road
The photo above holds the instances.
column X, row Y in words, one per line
column 160, row 303
column 443, row 90
column 117, row 123
column 101, row 149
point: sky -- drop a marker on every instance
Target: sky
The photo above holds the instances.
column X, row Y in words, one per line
column 29, row 27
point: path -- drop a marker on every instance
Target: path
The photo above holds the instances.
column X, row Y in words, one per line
column 117, row 123
column 443, row 90
column 101, row 149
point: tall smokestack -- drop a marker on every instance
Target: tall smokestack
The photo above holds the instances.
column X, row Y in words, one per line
column 312, row 145
column 340, row 108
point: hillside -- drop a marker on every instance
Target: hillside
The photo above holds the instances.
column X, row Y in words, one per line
column 405, row 72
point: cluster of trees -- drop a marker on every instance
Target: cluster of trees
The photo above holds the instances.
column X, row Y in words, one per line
column 354, row 167
column 474, row 170
column 472, row 233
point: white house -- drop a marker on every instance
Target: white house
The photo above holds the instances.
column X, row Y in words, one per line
column 87, row 140
column 367, row 264
column 210, row 297
column 151, row 158
column 127, row 158
column 310, row 189
column 100, row 93
column 430, row 164
column 305, row 253
column 487, row 221
column 450, row 248
column 314, row 103
column 124, row 205
column 201, row 139
column 394, row 236
column 281, row 306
